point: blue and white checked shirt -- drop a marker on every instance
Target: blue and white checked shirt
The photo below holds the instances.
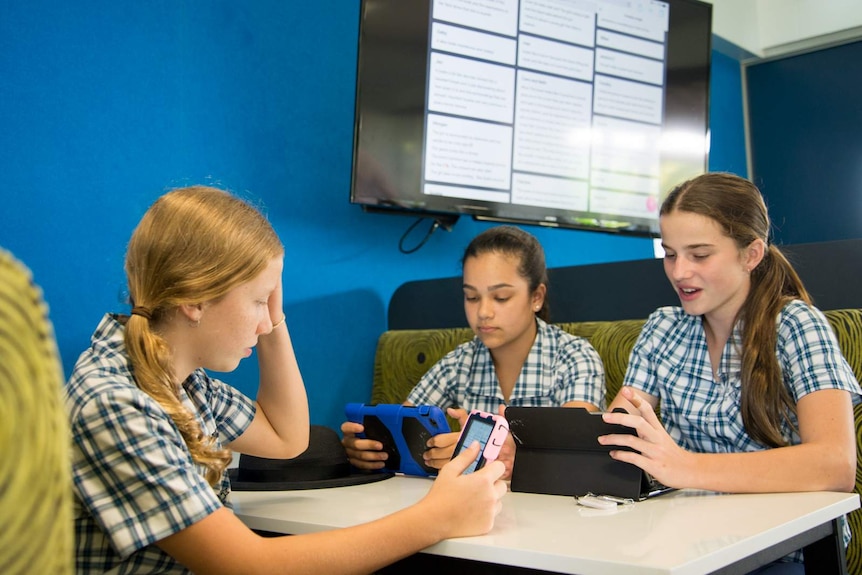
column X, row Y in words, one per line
column 134, row 479
column 559, row 368
column 670, row 360
column 702, row 413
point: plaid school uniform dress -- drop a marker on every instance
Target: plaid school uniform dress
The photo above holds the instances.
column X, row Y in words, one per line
column 135, row 481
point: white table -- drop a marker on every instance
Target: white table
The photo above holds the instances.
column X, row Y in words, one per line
column 680, row 533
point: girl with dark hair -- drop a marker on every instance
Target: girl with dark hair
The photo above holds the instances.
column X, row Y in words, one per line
column 516, row 357
column 755, row 393
column 152, row 430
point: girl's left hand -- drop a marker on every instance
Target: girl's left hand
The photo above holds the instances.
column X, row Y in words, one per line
column 655, row 451
column 275, row 303
column 507, row 452
column 442, row 446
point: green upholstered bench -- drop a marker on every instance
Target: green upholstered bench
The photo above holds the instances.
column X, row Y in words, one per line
column 403, row 356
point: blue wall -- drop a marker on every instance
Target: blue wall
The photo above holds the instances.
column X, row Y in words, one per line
column 727, row 129
column 106, row 105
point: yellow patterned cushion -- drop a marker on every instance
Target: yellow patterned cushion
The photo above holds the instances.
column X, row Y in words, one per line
column 35, row 467
column 403, row 356
column 847, row 325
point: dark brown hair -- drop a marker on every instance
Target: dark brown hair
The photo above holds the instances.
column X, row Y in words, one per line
column 514, row 241
column 737, row 206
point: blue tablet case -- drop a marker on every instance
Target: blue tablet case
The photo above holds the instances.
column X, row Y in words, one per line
column 402, row 430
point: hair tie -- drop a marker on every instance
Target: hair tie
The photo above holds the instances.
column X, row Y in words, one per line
column 143, row 312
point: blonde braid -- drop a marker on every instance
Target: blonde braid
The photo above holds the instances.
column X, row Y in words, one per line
column 193, row 245
column 151, row 363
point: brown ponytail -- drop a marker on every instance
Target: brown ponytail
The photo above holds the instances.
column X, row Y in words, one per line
column 737, row 206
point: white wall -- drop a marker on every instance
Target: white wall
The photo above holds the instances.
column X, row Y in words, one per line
column 773, row 27
column 736, row 22
column 799, row 24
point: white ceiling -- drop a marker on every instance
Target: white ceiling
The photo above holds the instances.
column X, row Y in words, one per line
column 768, row 28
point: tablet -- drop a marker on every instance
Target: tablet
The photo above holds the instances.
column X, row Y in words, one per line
column 403, row 430
column 558, row 453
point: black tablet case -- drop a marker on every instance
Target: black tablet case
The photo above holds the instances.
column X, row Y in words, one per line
column 558, row 454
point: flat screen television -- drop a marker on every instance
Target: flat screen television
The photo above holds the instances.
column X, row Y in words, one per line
column 568, row 113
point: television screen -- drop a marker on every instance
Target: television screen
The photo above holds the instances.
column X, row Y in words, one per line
column 569, row 113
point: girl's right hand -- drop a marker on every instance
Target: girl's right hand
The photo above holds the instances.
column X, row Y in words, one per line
column 465, row 505
column 362, row 453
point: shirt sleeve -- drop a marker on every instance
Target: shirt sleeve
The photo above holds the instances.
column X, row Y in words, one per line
column 582, row 374
column 809, row 353
column 433, row 388
column 232, row 410
column 133, row 471
column 640, row 372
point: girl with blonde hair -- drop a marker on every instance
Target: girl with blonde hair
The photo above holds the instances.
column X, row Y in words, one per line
column 153, row 432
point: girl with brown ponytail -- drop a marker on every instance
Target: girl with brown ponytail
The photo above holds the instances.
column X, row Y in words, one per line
column 755, row 394
column 153, row 432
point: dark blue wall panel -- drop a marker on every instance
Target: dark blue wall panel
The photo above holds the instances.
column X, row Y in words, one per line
column 806, row 142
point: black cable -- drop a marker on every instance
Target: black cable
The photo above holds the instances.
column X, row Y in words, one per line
column 434, row 226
